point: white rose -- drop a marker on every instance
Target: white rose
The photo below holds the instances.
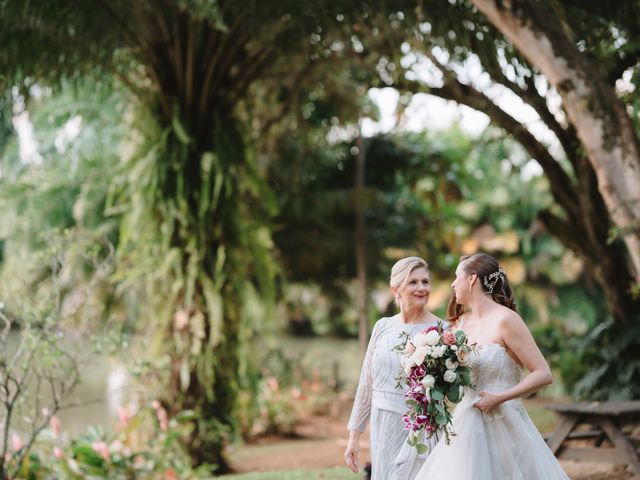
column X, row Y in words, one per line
column 450, row 364
column 420, row 340
column 409, row 349
column 428, row 381
column 454, row 347
column 432, row 337
column 408, row 364
column 450, row 376
column 439, row 351
column 418, row 355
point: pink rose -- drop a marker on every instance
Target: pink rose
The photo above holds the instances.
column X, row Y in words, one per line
column 58, row 452
column 448, row 338
column 463, row 356
column 427, row 330
column 410, row 348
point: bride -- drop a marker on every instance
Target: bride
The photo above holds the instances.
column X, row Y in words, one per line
column 495, row 438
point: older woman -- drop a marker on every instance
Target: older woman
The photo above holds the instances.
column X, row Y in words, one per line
column 377, row 397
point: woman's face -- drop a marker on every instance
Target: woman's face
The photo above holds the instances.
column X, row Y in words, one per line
column 415, row 292
column 462, row 285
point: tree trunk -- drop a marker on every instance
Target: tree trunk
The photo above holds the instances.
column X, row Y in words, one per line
column 601, row 122
column 206, row 220
column 361, row 246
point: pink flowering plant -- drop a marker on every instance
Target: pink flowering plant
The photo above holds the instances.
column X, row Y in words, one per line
column 435, row 371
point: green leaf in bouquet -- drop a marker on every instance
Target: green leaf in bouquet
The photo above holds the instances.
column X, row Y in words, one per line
column 437, row 395
column 441, row 419
column 453, row 393
column 465, row 374
column 431, row 409
column 421, row 448
column 460, row 336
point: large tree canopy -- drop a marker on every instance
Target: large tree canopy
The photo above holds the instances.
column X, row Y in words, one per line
column 195, row 234
column 194, row 238
column 467, row 60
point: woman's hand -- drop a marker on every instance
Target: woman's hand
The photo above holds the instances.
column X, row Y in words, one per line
column 488, row 401
column 351, row 454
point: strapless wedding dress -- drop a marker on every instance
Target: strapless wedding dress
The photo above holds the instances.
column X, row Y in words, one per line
column 503, row 444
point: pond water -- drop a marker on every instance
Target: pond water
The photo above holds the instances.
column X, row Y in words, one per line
column 103, row 385
column 104, row 382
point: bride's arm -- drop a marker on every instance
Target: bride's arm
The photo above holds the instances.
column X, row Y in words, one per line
column 518, row 339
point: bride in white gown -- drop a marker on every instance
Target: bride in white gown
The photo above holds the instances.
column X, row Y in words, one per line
column 377, row 397
column 495, row 438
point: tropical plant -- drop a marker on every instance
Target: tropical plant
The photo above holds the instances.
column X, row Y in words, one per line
column 194, row 239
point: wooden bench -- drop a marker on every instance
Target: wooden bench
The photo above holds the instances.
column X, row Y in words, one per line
column 609, row 435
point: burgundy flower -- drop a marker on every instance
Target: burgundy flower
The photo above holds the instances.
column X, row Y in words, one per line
column 427, row 330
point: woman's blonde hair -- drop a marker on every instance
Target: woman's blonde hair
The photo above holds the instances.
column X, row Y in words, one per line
column 402, row 269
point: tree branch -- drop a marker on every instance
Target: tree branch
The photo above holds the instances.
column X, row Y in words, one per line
column 468, row 95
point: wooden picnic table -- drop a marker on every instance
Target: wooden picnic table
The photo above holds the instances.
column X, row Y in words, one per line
column 607, row 432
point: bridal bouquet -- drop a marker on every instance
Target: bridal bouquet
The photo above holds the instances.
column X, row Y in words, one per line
column 435, row 369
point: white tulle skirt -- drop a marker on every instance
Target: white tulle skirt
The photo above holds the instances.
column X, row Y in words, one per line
column 500, row 445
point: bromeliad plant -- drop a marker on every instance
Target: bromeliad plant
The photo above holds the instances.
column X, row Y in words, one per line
column 434, row 373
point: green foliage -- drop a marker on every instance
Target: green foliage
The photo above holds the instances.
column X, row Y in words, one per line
column 610, row 364
column 54, row 206
column 144, row 446
column 189, row 244
column 193, row 197
column 286, row 392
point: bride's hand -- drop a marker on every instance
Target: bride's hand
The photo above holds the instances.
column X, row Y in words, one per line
column 488, row 401
column 351, row 455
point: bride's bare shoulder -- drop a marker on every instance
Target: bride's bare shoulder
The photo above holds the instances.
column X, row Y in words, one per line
column 510, row 321
column 457, row 323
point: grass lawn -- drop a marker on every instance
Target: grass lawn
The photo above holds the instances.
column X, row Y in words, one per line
column 324, row 474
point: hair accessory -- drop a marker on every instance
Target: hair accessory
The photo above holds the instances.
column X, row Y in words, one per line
column 491, row 280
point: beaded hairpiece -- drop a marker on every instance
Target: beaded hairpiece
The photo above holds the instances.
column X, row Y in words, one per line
column 491, row 280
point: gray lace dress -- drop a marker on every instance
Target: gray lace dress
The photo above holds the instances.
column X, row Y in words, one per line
column 378, row 402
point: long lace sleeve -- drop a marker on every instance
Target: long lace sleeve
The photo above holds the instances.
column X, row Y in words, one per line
column 362, row 402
